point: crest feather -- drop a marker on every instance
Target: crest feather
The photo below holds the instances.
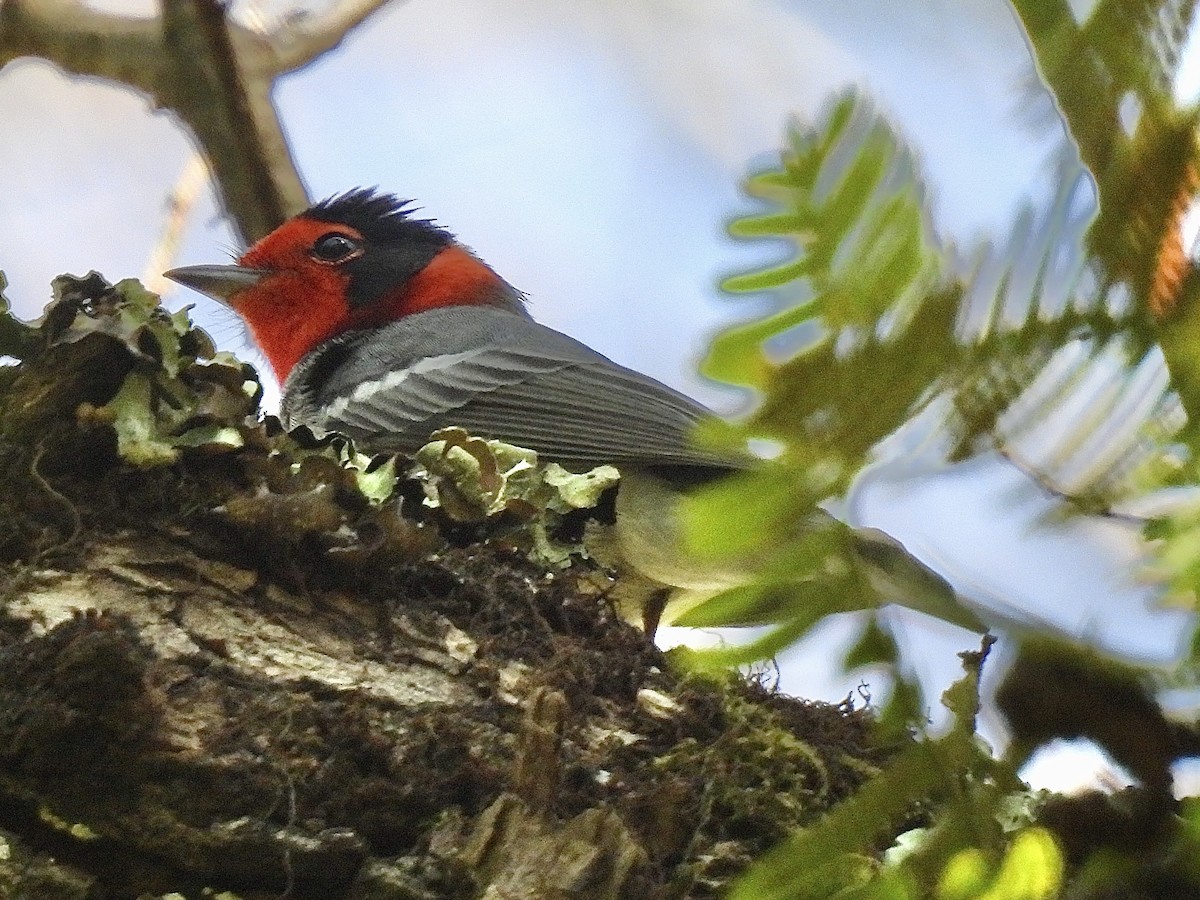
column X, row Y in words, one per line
column 377, row 216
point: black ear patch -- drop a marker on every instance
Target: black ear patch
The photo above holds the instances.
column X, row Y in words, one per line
column 397, row 245
column 385, row 267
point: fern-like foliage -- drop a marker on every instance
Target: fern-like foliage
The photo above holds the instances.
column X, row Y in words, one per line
column 1112, row 76
column 861, row 351
column 1050, row 347
column 997, row 345
column 888, row 327
column 1057, row 368
column 847, row 197
column 1071, row 346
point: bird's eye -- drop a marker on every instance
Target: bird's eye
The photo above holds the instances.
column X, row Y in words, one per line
column 335, row 247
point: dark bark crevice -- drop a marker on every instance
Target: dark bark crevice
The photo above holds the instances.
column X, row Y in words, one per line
column 225, row 668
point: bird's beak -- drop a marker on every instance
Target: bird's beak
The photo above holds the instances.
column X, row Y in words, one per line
column 221, row 283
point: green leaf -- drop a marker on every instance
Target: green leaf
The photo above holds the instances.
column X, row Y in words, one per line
column 769, row 645
column 1032, row 869
column 762, row 602
column 875, row 646
column 766, row 279
column 737, row 355
column 966, row 876
column 752, row 512
column 792, row 224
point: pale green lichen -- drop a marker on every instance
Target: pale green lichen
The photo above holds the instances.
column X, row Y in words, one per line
column 472, row 479
column 181, row 395
column 375, row 482
column 140, row 439
column 179, row 392
column 577, row 491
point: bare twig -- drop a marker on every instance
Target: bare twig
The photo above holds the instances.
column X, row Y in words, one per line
column 1055, row 491
column 179, row 207
column 231, row 116
column 305, row 38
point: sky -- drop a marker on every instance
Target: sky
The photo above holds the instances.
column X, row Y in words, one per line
column 592, row 153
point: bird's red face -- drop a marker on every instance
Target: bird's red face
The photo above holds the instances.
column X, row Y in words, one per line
column 302, row 299
column 355, row 261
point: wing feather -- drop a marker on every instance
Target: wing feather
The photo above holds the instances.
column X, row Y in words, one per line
column 513, row 380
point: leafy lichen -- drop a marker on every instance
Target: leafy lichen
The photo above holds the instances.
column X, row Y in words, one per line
column 141, row 471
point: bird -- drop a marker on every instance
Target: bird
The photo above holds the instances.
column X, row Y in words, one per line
column 383, row 327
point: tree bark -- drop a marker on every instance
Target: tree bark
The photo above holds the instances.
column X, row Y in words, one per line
column 224, row 668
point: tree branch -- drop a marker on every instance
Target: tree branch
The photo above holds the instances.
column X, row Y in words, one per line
column 83, row 41
column 281, row 688
column 215, row 75
column 232, row 116
column 305, row 38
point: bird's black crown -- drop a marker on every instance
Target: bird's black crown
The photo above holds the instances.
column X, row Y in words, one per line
column 379, row 217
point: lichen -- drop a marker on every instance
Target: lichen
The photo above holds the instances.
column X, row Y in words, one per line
column 474, row 480
column 297, row 676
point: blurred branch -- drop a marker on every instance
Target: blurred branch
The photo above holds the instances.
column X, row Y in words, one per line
column 215, row 74
column 179, row 207
column 1111, row 75
column 307, row 37
column 82, row 41
column 231, row 115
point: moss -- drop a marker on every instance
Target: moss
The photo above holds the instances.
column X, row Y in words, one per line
column 726, row 779
column 194, row 775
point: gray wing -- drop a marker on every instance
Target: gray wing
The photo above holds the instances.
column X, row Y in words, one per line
column 502, row 376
